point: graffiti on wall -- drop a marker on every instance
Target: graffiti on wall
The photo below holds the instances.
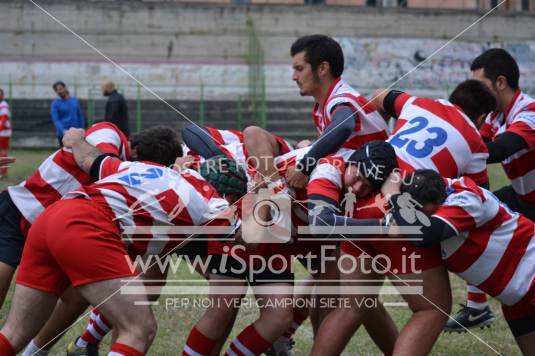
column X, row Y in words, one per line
column 419, row 64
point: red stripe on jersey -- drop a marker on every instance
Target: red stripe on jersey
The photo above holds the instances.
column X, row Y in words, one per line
column 66, row 161
column 360, row 140
column 445, row 163
column 399, row 123
column 404, row 166
column 324, row 187
column 464, row 184
column 201, row 186
column 468, row 253
column 523, row 130
column 486, row 131
column 364, row 104
column 510, row 259
column 216, row 135
column 480, row 177
column 41, row 190
column 174, row 208
column 520, row 166
column 452, row 116
column 400, row 102
column 108, row 148
column 238, row 133
column 457, row 216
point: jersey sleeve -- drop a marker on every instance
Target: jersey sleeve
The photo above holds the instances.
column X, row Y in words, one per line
column 326, row 179
column 106, row 138
column 490, row 127
column 524, row 126
column 108, row 166
column 463, row 211
column 476, row 168
column 394, row 102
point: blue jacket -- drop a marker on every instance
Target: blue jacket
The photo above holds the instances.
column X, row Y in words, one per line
column 66, row 113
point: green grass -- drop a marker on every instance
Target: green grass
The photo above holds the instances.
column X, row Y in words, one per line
column 175, row 323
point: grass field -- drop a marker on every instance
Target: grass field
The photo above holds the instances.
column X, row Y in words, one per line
column 175, row 323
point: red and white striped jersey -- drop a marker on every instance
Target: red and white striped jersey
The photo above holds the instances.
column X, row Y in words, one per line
column 369, row 124
column 435, row 134
column 327, row 178
column 148, row 196
column 59, row 173
column 519, row 119
column 494, row 249
column 5, row 116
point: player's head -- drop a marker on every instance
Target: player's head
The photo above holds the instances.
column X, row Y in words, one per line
column 107, row 87
column 226, row 176
column 369, row 167
column 315, row 58
column 475, row 98
column 427, row 187
column 60, row 88
column 159, row 144
column 496, row 68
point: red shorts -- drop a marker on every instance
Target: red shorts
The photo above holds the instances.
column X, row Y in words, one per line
column 74, row 242
column 4, row 143
column 398, row 255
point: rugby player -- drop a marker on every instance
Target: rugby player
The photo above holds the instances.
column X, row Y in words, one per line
column 482, row 240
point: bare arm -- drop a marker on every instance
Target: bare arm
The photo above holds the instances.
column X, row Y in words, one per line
column 84, row 154
column 378, row 99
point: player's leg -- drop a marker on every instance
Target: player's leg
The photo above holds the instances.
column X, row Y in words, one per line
column 67, row 310
column 226, row 290
column 11, row 242
column 29, row 311
column 340, row 325
column 135, row 323
column 430, row 312
column 4, row 152
column 262, row 148
column 521, row 320
column 273, row 288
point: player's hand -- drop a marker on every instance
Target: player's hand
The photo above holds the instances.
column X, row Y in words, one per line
column 72, row 136
column 295, row 178
column 182, row 163
column 392, row 185
column 6, row 161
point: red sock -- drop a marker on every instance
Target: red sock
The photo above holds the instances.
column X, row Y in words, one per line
column 475, row 298
column 248, row 342
column 299, row 318
column 96, row 330
column 198, row 343
column 118, row 349
column 6, row 349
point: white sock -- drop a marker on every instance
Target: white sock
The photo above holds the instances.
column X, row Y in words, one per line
column 81, row 343
column 33, row 349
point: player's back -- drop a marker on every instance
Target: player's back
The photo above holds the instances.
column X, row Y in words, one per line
column 59, row 173
column 495, row 248
column 435, row 134
column 145, row 197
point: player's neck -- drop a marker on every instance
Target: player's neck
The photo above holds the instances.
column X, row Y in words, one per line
column 323, row 90
column 506, row 100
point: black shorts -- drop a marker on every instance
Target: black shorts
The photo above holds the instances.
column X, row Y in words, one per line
column 193, row 249
column 522, row 326
column 510, row 197
column 225, row 265
column 11, row 237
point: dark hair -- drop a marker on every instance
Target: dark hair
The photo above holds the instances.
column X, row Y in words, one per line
column 320, row 48
column 59, row 82
column 496, row 62
column 160, row 144
column 474, row 97
column 425, row 186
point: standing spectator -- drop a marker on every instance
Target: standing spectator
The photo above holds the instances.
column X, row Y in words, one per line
column 5, row 131
column 65, row 111
column 116, row 109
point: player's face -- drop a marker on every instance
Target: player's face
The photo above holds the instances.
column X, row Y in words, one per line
column 356, row 182
column 61, row 91
column 479, row 74
column 303, row 75
column 430, row 208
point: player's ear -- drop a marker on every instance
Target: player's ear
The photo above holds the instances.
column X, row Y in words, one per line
column 501, row 83
column 324, row 69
